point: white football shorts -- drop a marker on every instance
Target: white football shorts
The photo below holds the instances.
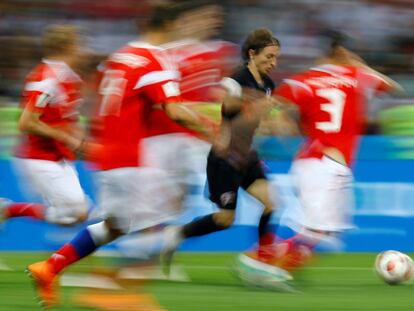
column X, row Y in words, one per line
column 57, row 183
column 136, row 198
column 324, row 188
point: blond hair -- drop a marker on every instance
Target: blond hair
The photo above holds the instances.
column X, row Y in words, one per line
column 57, row 38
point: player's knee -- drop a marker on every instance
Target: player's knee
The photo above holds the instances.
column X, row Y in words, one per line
column 268, row 207
column 102, row 233
column 69, row 213
column 80, row 210
column 224, row 218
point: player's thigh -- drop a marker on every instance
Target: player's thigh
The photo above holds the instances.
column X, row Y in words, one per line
column 256, row 184
column 260, row 190
column 56, row 182
column 137, row 198
column 164, row 152
column 324, row 189
column 223, row 182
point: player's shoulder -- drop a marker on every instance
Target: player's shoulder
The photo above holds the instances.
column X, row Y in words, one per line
column 191, row 51
column 224, row 46
column 37, row 73
column 41, row 77
column 333, row 70
column 134, row 55
column 242, row 75
column 298, row 80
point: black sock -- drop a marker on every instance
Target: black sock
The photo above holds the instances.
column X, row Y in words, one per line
column 202, row 226
column 264, row 226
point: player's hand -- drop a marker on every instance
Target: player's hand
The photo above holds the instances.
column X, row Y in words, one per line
column 91, row 151
column 209, row 128
column 72, row 142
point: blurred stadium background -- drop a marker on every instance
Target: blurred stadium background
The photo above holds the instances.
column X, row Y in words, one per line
column 384, row 187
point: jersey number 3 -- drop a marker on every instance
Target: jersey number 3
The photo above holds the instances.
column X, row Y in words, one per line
column 335, row 108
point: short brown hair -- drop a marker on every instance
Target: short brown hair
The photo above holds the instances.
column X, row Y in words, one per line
column 57, row 38
column 161, row 14
column 257, row 40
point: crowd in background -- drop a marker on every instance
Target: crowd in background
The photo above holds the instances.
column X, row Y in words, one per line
column 382, row 32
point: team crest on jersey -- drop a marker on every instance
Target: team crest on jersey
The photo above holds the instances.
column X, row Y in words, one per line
column 227, row 198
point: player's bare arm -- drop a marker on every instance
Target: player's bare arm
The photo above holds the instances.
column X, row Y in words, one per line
column 185, row 115
column 282, row 119
column 357, row 61
column 30, row 122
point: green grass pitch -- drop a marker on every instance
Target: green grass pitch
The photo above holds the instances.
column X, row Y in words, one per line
column 333, row 282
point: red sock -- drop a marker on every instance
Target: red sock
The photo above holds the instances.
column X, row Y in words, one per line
column 265, row 250
column 267, row 239
column 32, row 210
column 300, row 239
column 64, row 257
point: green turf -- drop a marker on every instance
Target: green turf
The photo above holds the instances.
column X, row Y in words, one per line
column 334, row 282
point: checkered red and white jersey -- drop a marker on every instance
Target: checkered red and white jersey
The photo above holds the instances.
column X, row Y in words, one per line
column 332, row 101
column 137, row 79
column 53, row 90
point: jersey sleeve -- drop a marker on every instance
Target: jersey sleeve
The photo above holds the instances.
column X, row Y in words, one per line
column 159, row 81
column 294, row 91
column 38, row 94
column 160, row 86
column 373, row 81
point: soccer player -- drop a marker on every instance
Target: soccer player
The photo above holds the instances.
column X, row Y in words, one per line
column 51, row 134
column 202, row 64
column 232, row 162
column 137, row 78
column 330, row 99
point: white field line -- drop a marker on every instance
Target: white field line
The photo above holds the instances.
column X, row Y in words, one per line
column 304, row 268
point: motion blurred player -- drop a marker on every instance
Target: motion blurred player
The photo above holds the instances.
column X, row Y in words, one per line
column 232, row 162
column 330, row 99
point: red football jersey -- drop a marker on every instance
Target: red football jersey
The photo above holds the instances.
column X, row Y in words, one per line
column 137, row 79
column 52, row 89
column 331, row 100
column 202, row 65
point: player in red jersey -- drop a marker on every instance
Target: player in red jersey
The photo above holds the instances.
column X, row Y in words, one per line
column 51, row 134
column 330, row 99
column 201, row 64
column 137, row 78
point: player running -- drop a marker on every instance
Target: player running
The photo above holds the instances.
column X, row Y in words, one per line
column 51, row 134
column 137, row 78
column 232, row 162
column 331, row 102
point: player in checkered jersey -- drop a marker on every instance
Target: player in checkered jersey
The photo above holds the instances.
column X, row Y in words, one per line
column 330, row 99
column 51, row 134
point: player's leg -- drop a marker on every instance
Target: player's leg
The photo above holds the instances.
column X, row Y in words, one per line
column 326, row 198
column 9, row 209
column 68, row 203
column 259, row 189
column 223, row 182
column 58, row 184
column 113, row 197
column 45, row 273
column 255, row 183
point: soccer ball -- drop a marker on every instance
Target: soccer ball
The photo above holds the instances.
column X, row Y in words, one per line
column 394, row 267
